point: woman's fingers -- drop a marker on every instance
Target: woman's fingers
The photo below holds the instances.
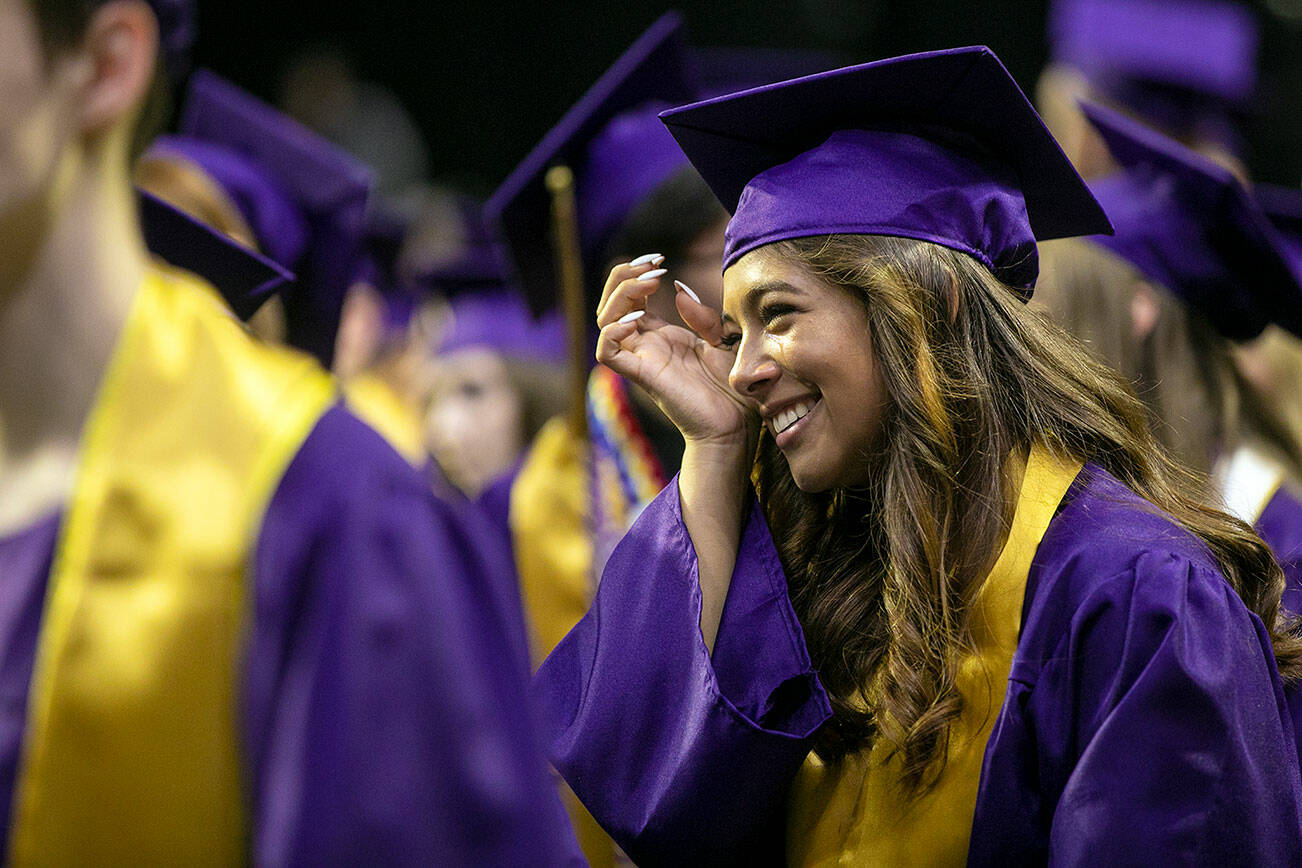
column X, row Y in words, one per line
column 703, row 320
column 629, row 295
column 627, row 270
column 611, row 351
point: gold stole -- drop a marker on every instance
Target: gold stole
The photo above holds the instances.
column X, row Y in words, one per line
column 131, row 752
column 853, row 813
column 378, row 405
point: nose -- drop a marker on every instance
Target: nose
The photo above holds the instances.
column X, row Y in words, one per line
column 754, row 370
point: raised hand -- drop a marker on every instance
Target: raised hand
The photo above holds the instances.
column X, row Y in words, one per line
column 685, row 371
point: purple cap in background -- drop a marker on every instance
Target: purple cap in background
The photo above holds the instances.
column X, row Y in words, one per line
column 285, row 164
column 1185, row 65
column 501, row 321
column 1187, row 224
column 244, row 277
column 655, row 69
column 940, row 147
column 273, row 214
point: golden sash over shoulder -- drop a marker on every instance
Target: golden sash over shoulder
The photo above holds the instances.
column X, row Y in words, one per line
column 854, row 813
column 132, row 746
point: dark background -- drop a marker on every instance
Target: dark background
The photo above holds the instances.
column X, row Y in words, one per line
column 484, row 81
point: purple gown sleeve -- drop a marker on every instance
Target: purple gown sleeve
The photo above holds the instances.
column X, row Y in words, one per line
column 1160, row 720
column 383, row 709
column 683, row 759
column 1280, row 525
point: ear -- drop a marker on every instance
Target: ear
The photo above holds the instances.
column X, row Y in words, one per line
column 121, row 46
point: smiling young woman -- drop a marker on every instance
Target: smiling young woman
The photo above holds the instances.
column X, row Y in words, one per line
column 975, row 613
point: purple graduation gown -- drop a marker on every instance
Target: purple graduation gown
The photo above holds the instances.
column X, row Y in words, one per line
column 381, row 700
column 1280, row 525
column 1143, row 720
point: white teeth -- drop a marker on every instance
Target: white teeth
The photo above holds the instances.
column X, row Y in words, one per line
column 790, row 416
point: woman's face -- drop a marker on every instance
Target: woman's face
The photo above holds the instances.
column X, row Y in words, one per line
column 474, row 426
column 804, row 356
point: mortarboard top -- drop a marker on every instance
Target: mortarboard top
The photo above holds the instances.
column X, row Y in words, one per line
column 941, row 147
column 244, row 277
column 1189, row 225
column 328, row 185
column 614, row 167
column 1185, row 65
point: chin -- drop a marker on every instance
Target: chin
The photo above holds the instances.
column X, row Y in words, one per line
column 812, row 482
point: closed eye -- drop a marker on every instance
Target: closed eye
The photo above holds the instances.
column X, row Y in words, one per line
column 729, row 342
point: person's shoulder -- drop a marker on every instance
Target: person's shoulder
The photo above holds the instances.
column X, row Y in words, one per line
column 1108, row 550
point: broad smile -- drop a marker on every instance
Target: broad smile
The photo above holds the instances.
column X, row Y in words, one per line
column 787, row 422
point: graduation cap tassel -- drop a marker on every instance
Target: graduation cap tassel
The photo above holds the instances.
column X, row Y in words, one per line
column 569, row 267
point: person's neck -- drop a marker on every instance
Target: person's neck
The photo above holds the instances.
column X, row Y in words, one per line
column 70, row 268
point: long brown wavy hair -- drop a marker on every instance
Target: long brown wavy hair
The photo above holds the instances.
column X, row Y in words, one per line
column 882, row 577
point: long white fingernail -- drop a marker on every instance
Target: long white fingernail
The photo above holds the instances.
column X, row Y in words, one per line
column 643, row 260
column 687, row 289
column 653, row 274
column 632, row 316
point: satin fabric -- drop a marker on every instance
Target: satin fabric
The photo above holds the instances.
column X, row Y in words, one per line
column 884, row 182
column 133, row 692
column 378, row 405
column 855, row 812
column 1144, row 719
column 380, row 713
column 1280, row 525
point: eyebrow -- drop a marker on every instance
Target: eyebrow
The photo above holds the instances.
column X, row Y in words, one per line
column 756, row 293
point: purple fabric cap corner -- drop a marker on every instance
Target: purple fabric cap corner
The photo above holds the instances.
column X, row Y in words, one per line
column 941, row 147
column 328, row 186
column 1189, row 225
column 654, row 69
column 632, row 156
column 266, row 205
column 244, row 277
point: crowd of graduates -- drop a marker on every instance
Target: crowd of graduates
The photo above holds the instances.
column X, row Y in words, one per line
column 784, row 465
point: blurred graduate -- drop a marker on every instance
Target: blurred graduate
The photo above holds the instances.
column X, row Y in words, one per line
column 237, row 625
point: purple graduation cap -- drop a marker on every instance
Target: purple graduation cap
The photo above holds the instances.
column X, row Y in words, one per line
column 941, row 147
column 501, row 320
column 618, row 151
column 1189, row 225
column 244, row 277
column 304, row 197
column 1184, row 65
